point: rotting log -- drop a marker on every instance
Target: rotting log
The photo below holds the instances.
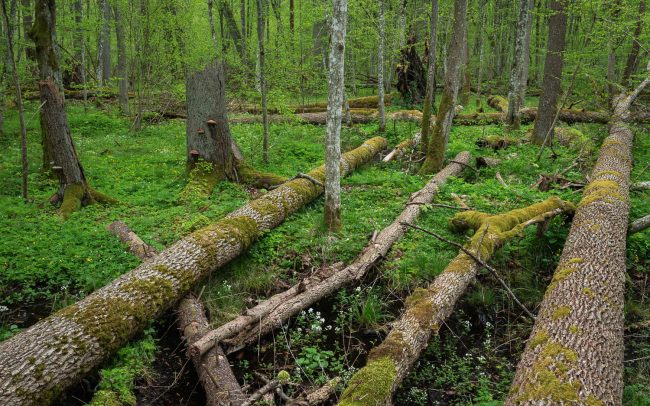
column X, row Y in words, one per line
column 639, row 225
column 317, row 396
column 261, row 324
column 499, row 103
column 216, row 377
column 575, row 351
column 404, row 146
column 39, row 363
column 426, row 309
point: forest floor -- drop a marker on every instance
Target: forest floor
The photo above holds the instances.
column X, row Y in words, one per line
column 46, row 264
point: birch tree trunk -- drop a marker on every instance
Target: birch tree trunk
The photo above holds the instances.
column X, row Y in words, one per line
column 261, row 14
column 380, row 70
column 455, row 57
column 551, row 85
column 104, row 48
column 42, row 361
column 336, row 88
column 518, row 75
column 431, row 77
column 575, row 352
column 121, row 61
column 426, row 309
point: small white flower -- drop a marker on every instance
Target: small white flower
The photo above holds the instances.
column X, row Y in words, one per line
column 322, row 320
column 310, row 310
column 4, row 309
column 328, row 327
column 358, row 289
column 64, row 287
column 317, row 314
column 299, row 330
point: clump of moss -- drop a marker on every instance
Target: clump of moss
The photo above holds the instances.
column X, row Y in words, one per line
column 72, row 196
column 602, row 191
column 372, row 385
column 561, row 312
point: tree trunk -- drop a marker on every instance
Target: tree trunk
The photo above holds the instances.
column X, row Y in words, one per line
column 242, row 19
column 261, row 14
column 213, row 32
column 633, row 56
column 19, row 100
column 104, row 48
column 575, row 351
column 121, row 61
column 380, row 70
column 45, row 359
column 27, row 26
column 551, row 85
column 336, row 89
column 431, row 77
column 273, row 312
column 481, row 48
column 234, row 32
column 639, row 224
column 518, row 76
column 427, row 309
column 455, row 57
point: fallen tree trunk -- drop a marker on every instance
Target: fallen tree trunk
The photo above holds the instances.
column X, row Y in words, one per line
column 426, row 309
column 39, row 363
column 79, row 94
column 575, row 351
column 403, row 147
column 216, row 377
column 254, row 323
column 499, row 103
column 639, row 224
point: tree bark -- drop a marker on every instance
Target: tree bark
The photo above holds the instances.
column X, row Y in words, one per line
column 336, row 89
column 270, row 314
column 104, row 48
column 121, row 61
column 40, row 362
column 518, row 76
column 261, row 16
column 479, row 80
column 426, row 309
column 380, row 70
column 431, row 77
column 575, row 350
column 455, row 57
column 551, row 85
column 633, row 56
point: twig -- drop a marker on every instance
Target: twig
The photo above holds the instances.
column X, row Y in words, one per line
column 271, row 385
column 478, row 261
column 301, row 176
column 464, row 164
column 501, row 181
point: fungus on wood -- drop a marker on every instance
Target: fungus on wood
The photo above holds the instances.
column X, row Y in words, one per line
column 426, row 309
column 76, row 339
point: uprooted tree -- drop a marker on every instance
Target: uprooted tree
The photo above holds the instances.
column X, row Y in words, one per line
column 59, row 151
column 426, row 309
column 575, row 351
column 42, row 361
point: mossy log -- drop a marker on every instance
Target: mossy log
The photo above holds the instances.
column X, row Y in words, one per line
column 42, row 361
column 499, row 103
column 426, row 309
column 76, row 94
column 575, row 351
column 216, row 377
column 364, row 103
column 247, row 329
column 497, row 141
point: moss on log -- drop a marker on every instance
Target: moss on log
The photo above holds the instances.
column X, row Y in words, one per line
column 42, row 361
column 426, row 309
column 575, row 351
column 499, row 103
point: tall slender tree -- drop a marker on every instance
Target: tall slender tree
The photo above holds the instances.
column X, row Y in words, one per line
column 455, row 59
column 380, row 69
column 104, row 48
column 336, row 89
column 551, row 85
column 123, row 83
column 261, row 22
column 633, row 56
column 431, row 77
column 519, row 73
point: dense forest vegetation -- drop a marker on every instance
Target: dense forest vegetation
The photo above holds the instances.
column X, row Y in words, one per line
column 303, row 202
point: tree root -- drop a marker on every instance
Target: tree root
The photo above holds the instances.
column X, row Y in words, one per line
column 76, row 195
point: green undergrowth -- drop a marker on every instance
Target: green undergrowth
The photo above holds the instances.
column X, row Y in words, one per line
column 47, row 263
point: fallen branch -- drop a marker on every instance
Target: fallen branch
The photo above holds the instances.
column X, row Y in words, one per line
column 137, row 247
column 639, row 225
column 238, row 337
column 317, row 396
column 641, row 186
column 57, row 351
column 484, row 161
column 402, row 147
column 426, row 309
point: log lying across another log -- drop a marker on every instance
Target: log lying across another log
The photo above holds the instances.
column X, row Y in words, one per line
column 575, row 351
column 39, row 363
column 426, row 309
column 270, row 314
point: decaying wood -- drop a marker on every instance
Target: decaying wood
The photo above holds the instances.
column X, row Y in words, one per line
column 137, row 247
column 268, row 387
column 499, row 103
column 426, row 309
column 317, row 396
column 43, row 360
column 216, row 377
column 484, row 161
column 375, row 251
column 575, row 351
column 639, row 224
column 403, row 147
column 460, row 200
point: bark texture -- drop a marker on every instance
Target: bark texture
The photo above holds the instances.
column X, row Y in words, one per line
column 575, row 351
column 426, row 309
column 431, row 76
column 551, row 84
column 315, row 289
column 216, row 377
column 518, row 76
column 336, row 90
column 42, row 361
column 455, row 61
